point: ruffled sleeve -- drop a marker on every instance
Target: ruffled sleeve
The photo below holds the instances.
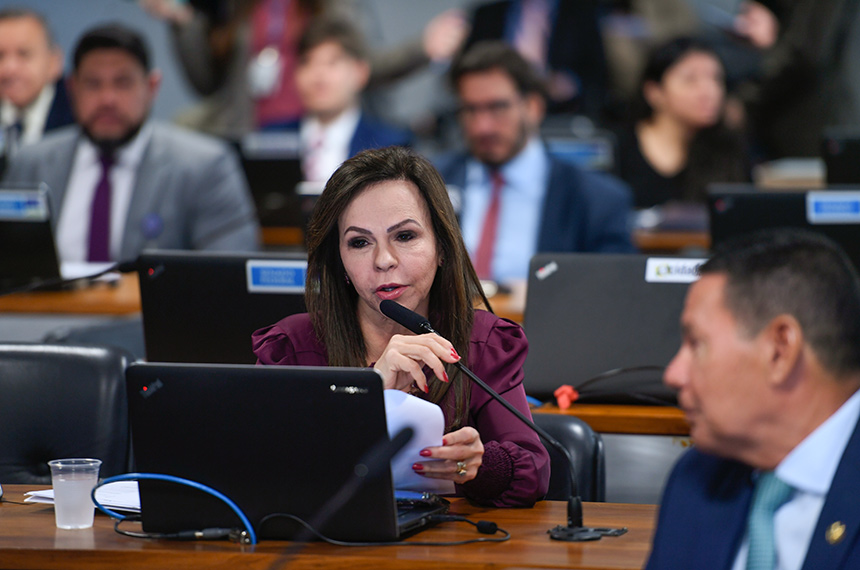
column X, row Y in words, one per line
column 291, row 342
column 515, row 469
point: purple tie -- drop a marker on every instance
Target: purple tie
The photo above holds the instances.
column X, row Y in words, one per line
column 100, row 214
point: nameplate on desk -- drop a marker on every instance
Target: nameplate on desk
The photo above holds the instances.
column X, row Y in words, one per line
column 23, row 206
column 672, row 270
column 276, row 276
column 833, row 207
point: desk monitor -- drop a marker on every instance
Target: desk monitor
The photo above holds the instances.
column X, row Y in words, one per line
column 27, row 250
column 272, row 165
column 274, row 439
column 740, row 208
column 840, row 149
column 587, row 314
column 203, row 307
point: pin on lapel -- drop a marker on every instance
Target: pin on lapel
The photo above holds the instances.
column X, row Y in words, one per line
column 835, row 533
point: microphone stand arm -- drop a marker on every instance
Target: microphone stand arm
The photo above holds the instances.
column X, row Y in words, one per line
column 574, row 531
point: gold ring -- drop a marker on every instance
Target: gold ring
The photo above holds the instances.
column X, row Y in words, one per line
column 461, row 468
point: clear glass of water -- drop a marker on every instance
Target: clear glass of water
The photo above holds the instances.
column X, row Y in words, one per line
column 73, row 481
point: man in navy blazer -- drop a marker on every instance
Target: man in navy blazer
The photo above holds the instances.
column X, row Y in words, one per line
column 546, row 205
column 768, row 375
column 332, row 72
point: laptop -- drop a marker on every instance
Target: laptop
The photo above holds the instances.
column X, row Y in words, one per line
column 589, row 314
column 203, row 307
column 28, row 253
column 736, row 209
column 274, row 439
column 272, row 165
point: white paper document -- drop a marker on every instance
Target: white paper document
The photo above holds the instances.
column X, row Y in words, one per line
column 428, row 423
column 120, row 496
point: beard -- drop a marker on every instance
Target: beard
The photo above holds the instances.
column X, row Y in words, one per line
column 110, row 146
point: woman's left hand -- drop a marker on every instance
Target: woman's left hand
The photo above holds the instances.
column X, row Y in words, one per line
column 461, row 453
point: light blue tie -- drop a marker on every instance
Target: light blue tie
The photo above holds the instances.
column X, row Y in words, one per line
column 770, row 494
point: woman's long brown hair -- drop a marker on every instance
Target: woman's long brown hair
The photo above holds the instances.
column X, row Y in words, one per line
column 332, row 302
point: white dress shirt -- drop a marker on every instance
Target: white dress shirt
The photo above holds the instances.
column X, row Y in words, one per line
column 34, row 116
column 325, row 147
column 526, row 178
column 809, row 468
column 73, row 227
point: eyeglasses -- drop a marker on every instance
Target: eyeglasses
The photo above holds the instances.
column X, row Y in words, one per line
column 495, row 109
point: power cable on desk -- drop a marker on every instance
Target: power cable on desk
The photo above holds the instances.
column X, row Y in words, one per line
column 247, row 536
column 485, row 527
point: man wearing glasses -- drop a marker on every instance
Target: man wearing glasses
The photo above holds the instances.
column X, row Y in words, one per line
column 515, row 199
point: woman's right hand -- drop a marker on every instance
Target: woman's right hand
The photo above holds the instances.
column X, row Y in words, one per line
column 405, row 356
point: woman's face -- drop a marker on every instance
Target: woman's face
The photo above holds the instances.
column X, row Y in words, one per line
column 388, row 247
column 692, row 91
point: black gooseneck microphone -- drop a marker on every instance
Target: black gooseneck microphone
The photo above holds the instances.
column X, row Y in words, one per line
column 574, row 531
column 370, row 465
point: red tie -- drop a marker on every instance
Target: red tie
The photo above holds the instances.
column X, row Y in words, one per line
column 487, row 245
column 99, row 242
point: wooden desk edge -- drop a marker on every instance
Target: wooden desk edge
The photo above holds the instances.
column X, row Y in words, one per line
column 605, row 418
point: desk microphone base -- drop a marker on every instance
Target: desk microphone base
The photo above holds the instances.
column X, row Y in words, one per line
column 583, row 533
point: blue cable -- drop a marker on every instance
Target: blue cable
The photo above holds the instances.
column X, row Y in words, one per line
column 252, row 536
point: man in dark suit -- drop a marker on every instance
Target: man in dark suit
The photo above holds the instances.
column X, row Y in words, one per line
column 561, row 37
column 122, row 183
column 514, row 199
column 768, row 375
column 33, row 96
column 332, row 72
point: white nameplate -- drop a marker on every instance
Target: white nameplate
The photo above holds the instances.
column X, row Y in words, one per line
column 672, row 270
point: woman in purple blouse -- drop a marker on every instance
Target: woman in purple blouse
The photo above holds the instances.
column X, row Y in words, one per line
column 384, row 228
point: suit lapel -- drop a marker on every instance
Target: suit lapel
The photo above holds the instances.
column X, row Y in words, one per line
column 58, row 169
column 838, row 526
column 730, row 499
column 148, row 184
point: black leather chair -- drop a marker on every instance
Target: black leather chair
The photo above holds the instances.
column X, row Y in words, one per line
column 586, row 448
column 61, row 401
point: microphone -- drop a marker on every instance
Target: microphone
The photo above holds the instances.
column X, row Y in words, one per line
column 370, row 465
column 574, row 531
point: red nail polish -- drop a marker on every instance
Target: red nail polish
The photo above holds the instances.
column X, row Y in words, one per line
column 445, row 376
column 425, row 453
column 417, row 467
column 454, row 353
column 426, row 389
column 444, row 442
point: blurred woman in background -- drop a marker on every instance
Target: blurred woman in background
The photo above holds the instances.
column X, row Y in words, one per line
column 678, row 143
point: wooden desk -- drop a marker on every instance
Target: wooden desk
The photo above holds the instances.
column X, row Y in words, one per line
column 670, row 242
column 651, row 420
column 122, row 298
column 29, row 540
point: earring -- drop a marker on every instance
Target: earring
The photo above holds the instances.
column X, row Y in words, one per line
column 348, row 282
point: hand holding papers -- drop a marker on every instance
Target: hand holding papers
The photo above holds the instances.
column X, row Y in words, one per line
column 426, row 419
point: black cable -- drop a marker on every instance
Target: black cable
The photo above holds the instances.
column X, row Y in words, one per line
column 482, row 526
column 18, row 502
column 234, row 534
column 618, row 372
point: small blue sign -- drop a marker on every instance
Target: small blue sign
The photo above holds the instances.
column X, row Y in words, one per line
column 833, row 207
column 276, row 276
column 29, row 206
